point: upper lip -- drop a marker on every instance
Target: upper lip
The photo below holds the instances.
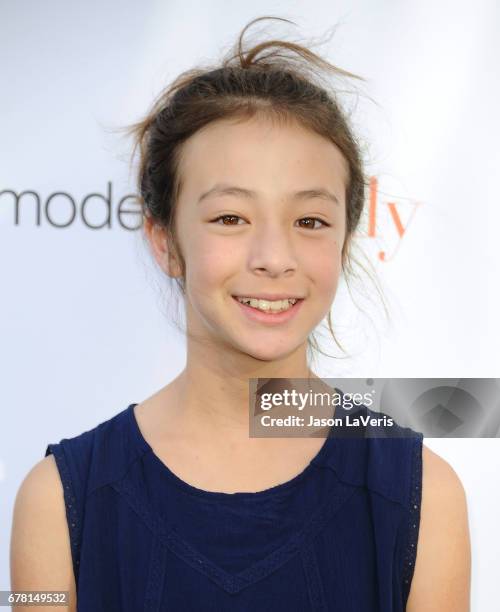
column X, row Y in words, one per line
column 270, row 296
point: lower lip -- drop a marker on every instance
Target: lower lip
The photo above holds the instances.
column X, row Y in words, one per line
column 269, row 318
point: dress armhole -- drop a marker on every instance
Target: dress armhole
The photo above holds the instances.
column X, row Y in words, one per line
column 73, row 512
column 413, row 516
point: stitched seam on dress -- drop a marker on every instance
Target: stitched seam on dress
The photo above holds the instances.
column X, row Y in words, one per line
column 313, row 578
column 156, row 576
column 413, row 516
column 118, row 478
column 131, row 494
column 362, row 486
column 74, row 521
column 272, row 562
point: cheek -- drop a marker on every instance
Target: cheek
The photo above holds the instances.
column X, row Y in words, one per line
column 324, row 266
column 209, row 262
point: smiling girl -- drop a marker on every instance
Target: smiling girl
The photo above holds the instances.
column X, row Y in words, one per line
column 252, row 187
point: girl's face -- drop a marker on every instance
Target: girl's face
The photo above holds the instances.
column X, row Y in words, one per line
column 283, row 191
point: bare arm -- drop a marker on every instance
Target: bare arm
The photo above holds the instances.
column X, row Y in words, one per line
column 40, row 554
column 441, row 581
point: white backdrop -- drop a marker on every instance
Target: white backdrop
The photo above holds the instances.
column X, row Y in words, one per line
column 83, row 331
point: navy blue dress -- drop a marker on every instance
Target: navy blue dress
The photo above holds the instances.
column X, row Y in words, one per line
column 342, row 535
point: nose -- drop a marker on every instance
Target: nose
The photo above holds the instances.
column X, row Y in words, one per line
column 272, row 252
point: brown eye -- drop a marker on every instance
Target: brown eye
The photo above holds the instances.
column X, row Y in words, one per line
column 226, row 217
column 311, row 225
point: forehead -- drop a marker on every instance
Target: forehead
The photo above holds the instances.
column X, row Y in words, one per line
column 260, row 154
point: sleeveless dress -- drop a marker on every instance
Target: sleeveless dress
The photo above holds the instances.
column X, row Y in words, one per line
column 340, row 536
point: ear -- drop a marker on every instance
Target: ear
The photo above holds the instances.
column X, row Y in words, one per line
column 163, row 249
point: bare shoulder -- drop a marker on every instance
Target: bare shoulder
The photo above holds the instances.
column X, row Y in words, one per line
column 40, row 553
column 441, row 580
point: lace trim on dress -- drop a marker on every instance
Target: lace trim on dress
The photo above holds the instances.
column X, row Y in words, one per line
column 414, row 514
column 231, row 583
column 73, row 519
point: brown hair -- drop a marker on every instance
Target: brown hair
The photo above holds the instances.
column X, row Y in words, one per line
column 275, row 78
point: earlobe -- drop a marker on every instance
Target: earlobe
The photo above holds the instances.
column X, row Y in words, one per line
column 163, row 251
column 172, row 267
column 166, row 258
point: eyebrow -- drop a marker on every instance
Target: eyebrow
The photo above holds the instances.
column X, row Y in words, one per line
column 304, row 194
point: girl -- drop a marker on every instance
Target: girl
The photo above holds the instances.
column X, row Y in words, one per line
column 252, row 186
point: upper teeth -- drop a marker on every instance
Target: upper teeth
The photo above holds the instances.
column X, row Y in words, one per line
column 268, row 304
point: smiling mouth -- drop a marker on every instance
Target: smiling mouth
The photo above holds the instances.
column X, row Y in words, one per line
column 268, row 306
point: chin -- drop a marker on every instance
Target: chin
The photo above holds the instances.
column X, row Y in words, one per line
column 268, row 352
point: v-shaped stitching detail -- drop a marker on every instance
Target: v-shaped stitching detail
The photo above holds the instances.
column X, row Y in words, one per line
column 233, row 583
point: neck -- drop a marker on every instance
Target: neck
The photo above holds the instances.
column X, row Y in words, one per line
column 213, row 389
